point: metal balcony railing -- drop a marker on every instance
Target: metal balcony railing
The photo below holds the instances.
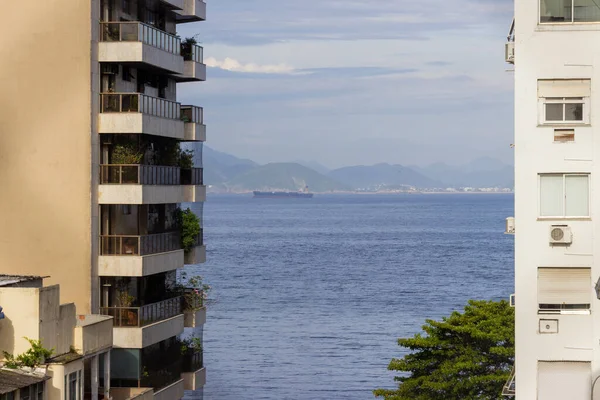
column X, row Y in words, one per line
column 139, row 32
column 136, row 317
column 136, row 174
column 192, row 114
column 139, row 103
column 162, row 378
column 193, row 176
column 131, row 245
column 193, row 361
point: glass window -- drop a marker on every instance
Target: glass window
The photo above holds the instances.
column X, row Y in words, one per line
column 564, row 195
column 556, row 11
column 25, row 393
column 73, row 386
column 568, row 110
column 40, row 391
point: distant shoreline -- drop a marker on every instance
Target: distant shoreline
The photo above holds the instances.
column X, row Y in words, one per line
column 370, row 193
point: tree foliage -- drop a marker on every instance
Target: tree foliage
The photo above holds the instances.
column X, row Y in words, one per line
column 33, row 357
column 465, row 356
column 190, row 229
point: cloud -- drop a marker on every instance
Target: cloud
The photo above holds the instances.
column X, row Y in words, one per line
column 233, row 65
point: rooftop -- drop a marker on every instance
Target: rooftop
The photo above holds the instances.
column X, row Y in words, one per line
column 10, row 280
column 11, row 380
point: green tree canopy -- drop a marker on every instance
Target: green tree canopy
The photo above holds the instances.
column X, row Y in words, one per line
column 465, row 356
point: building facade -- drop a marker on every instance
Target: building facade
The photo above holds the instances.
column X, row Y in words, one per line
column 554, row 51
column 94, row 179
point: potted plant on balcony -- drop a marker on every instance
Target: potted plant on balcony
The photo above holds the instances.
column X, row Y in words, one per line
column 186, row 163
column 125, row 301
column 189, row 224
column 187, row 48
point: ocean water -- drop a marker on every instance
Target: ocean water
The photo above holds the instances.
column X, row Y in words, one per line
column 310, row 296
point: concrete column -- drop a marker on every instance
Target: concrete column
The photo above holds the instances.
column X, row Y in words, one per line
column 107, row 375
column 94, row 377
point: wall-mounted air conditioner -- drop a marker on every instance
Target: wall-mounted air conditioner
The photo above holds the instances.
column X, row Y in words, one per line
column 510, row 226
column 560, row 234
column 509, row 52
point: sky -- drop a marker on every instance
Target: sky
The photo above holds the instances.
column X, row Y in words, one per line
column 349, row 82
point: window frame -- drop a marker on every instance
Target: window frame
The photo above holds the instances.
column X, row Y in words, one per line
column 585, row 113
column 564, row 193
column 571, row 22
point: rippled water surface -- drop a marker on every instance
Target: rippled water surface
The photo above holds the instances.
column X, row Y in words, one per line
column 311, row 295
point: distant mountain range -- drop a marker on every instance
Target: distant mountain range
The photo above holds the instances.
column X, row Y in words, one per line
column 227, row 173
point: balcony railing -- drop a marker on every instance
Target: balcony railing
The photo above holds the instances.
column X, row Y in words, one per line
column 192, row 362
column 192, row 114
column 136, row 317
column 130, row 245
column 139, row 32
column 193, row 299
column 135, row 174
column 192, row 53
column 192, row 176
column 163, row 377
column 139, row 103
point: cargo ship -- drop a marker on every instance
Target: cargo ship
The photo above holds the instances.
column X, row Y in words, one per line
column 284, row 195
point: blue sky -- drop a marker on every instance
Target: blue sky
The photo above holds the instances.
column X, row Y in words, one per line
column 345, row 82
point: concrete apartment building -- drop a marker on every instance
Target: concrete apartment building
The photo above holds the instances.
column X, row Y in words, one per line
column 92, row 175
column 554, row 49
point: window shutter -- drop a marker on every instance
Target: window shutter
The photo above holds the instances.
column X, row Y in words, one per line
column 564, row 88
column 564, row 286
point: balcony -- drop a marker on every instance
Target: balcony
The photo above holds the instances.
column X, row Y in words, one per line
column 93, row 333
column 194, row 373
column 193, row 308
column 173, row 391
column 195, row 130
column 193, row 11
column 147, row 184
column 125, row 393
column 137, row 317
column 140, row 45
column 136, row 113
column 142, row 255
column 198, row 254
column 194, row 68
column 174, row 4
column 140, row 337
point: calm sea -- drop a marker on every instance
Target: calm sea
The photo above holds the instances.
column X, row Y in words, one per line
column 311, row 295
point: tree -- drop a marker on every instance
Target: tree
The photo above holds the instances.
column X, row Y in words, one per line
column 465, row 356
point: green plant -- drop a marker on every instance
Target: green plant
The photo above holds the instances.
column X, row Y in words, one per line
column 189, row 224
column 186, row 159
column 191, row 345
column 467, row 355
column 187, row 46
column 128, row 153
column 33, row 357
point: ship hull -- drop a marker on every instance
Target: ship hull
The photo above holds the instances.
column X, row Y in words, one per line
column 283, row 195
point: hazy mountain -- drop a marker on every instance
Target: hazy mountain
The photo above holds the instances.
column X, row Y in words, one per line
column 482, row 172
column 283, row 176
column 320, row 168
column 382, row 175
column 220, row 167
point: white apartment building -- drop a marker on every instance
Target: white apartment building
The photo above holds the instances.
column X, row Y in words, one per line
column 557, row 93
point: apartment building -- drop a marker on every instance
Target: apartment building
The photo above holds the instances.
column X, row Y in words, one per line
column 80, row 361
column 553, row 47
column 94, row 173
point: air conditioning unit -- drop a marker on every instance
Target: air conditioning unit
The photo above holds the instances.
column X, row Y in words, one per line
column 509, row 52
column 512, row 300
column 110, row 69
column 560, row 234
column 510, row 226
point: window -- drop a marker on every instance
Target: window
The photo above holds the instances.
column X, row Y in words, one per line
column 564, row 135
column 561, row 11
column 73, row 386
column 40, row 391
column 564, row 289
column 126, row 74
column 564, row 195
column 8, row 396
column 564, row 101
column 25, row 393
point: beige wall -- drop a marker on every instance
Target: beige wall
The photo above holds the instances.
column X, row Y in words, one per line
column 46, row 141
column 22, row 316
column 56, row 385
